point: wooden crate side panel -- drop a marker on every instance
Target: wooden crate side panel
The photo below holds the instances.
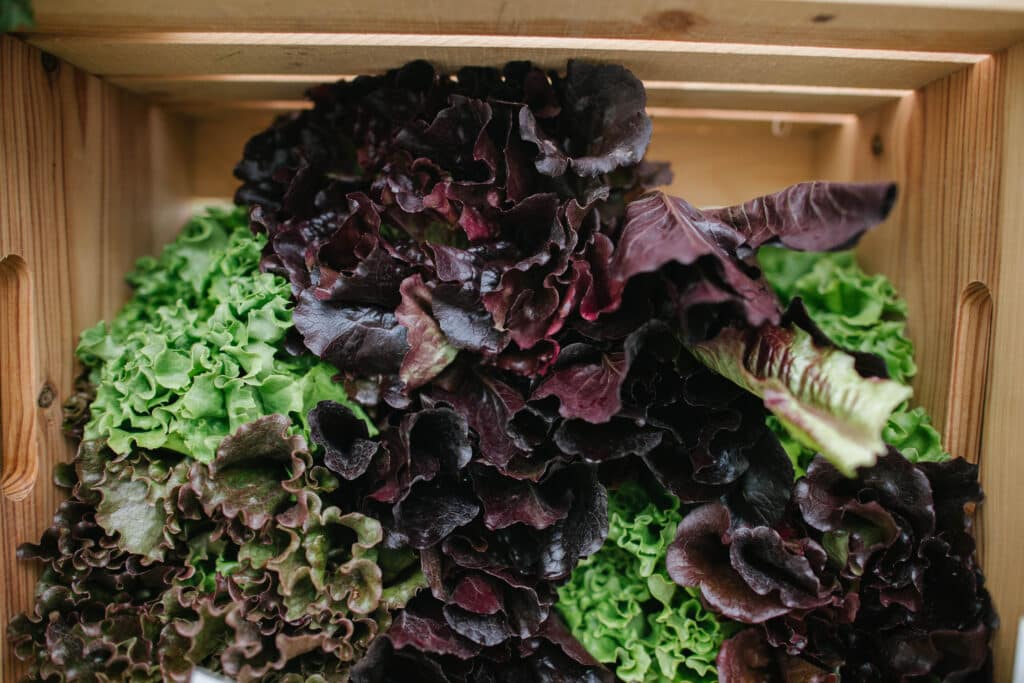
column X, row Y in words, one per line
column 901, row 24
column 949, row 249
column 942, row 145
column 1002, row 467
column 76, row 204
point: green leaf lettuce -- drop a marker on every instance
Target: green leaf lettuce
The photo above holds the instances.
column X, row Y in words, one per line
column 626, row 611
column 198, row 351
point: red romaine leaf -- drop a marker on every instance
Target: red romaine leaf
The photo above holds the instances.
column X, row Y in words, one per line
column 660, row 230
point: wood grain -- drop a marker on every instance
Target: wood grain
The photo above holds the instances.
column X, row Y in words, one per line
column 1002, row 469
column 966, row 26
column 88, row 168
column 19, row 444
column 195, row 53
column 950, row 245
column 76, row 205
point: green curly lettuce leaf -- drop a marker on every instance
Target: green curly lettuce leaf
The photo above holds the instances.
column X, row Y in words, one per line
column 910, row 430
column 198, row 350
column 860, row 312
column 626, row 611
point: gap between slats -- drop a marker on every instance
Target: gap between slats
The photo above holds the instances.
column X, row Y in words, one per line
column 192, row 91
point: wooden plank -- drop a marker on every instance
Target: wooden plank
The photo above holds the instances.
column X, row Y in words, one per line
column 76, row 206
column 1002, row 468
column 719, row 163
column 30, row 147
column 196, row 91
column 963, row 26
column 186, row 54
column 217, row 147
column 953, row 256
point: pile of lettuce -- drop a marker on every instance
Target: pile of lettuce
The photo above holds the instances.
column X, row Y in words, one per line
column 481, row 262
column 608, row 602
column 199, row 529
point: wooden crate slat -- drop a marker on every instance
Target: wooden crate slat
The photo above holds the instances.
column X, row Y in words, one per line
column 1002, row 469
column 196, row 91
column 308, row 53
column 966, row 26
column 82, row 172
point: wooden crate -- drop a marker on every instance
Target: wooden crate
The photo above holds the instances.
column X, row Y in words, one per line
column 117, row 117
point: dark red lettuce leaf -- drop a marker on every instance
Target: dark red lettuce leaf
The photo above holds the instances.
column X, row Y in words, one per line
column 750, row 575
column 810, row 216
column 429, row 352
column 364, row 339
column 492, row 543
column 603, row 123
column 348, row 449
column 489, row 405
column 586, row 383
column 508, row 501
column 872, row 578
column 662, row 230
column 747, row 658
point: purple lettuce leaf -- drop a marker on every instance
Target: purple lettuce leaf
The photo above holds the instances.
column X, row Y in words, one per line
column 662, row 230
column 868, row 578
column 814, row 216
column 429, row 350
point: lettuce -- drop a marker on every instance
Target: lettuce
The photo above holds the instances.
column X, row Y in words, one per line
column 623, row 606
column 871, row 578
column 251, row 566
column 199, row 349
column 818, row 392
column 857, row 311
column 860, row 312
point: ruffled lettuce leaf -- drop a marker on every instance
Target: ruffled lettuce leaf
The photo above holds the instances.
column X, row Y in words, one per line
column 624, row 608
column 199, row 349
column 250, row 566
column 871, row 578
column 817, row 391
